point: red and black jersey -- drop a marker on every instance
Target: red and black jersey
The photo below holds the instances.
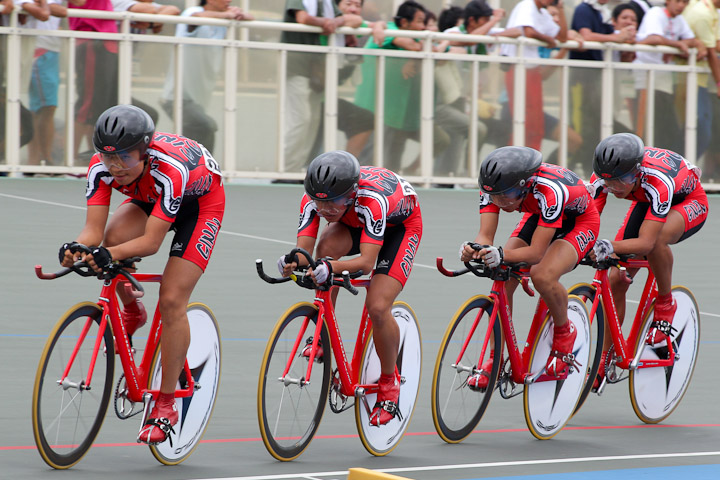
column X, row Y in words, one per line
column 666, row 179
column 556, row 193
column 180, row 170
column 384, row 199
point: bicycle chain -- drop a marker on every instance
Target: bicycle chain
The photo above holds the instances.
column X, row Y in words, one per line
column 121, row 401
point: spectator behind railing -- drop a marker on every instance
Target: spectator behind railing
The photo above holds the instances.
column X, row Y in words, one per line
column 592, row 20
column 145, row 6
column 201, row 69
column 535, row 22
column 355, row 122
column 663, row 26
column 45, row 76
column 402, row 88
column 702, row 17
column 306, row 76
column 96, row 72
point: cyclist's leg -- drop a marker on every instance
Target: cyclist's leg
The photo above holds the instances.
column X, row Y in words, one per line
column 381, row 294
column 128, row 222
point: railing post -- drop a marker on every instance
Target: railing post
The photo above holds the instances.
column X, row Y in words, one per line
column 282, row 97
column 519, row 95
column 691, row 109
column 70, row 108
column 12, row 108
column 178, row 92
column 379, row 153
column 427, row 106
column 472, row 166
column 331, row 95
column 228, row 163
column 125, row 63
column 650, row 111
column 564, row 122
column 606, row 109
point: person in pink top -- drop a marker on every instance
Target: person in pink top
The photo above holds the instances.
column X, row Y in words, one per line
column 96, row 69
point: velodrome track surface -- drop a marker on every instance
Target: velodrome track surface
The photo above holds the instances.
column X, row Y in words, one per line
column 37, row 215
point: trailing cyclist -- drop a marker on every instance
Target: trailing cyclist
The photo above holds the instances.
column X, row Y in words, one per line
column 559, row 226
column 173, row 183
column 375, row 213
column 668, row 206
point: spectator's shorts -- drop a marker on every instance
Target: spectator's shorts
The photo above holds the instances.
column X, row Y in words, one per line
column 196, row 226
column 581, row 232
column 44, row 81
column 397, row 254
column 694, row 210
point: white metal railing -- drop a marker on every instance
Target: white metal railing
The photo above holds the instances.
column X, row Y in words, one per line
column 237, row 40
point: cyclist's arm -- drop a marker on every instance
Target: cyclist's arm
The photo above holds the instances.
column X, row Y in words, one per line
column 146, row 244
column 486, row 235
column 95, row 220
column 533, row 253
column 644, row 243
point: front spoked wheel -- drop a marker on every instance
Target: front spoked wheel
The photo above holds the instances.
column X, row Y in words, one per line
column 203, row 359
column 382, row 440
column 289, row 406
column 68, row 411
column 456, row 409
column 655, row 392
column 549, row 402
column 586, row 292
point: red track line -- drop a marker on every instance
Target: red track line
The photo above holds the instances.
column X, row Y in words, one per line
column 409, row 434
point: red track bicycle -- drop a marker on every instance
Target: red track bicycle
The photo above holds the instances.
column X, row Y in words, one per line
column 474, row 330
column 659, row 375
column 291, row 400
column 74, row 380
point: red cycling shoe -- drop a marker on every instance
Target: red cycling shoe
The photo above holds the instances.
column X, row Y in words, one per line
column 160, row 422
column 479, row 381
column 133, row 316
column 665, row 307
column 561, row 356
column 318, row 351
column 386, row 407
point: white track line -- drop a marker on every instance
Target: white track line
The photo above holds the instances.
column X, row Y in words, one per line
column 235, row 234
column 430, row 468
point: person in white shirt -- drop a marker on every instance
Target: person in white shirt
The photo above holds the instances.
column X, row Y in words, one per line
column 45, row 76
column 533, row 19
column 663, row 26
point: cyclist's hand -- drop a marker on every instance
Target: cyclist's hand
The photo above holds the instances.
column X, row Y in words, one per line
column 603, row 249
column 285, row 268
column 99, row 258
column 67, row 254
column 322, row 273
column 492, row 256
column 469, row 251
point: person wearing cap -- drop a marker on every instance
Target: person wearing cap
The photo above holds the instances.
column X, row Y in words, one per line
column 173, row 183
column 373, row 212
column 558, row 228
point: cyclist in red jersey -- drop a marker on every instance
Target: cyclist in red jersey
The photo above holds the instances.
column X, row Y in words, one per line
column 374, row 212
column 668, row 206
column 173, row 183
column 559, row 227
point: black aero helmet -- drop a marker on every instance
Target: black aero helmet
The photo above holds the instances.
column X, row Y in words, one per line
column 618, row 155
column 122, row 128
column 507, row 168
column 332, row 175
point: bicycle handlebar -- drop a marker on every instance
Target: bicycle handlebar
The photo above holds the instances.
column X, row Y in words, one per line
column 621, row 261
column 502, row 273
column 83, row 269
column 306, row 281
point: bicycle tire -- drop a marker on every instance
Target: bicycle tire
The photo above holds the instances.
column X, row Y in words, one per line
column 380, row 441
column 456, row 409
column 656, row 392
column 204, row 359
column 549, row 404
column 289, row 414
column 67, row 418
column 587, row 293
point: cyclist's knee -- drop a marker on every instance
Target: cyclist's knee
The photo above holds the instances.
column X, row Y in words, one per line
column 171, row 307
column 378, row 312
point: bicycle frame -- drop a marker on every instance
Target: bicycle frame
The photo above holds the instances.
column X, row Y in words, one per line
column 628, row 358
column 519, row 362
column 349, row 372
column 136, row 375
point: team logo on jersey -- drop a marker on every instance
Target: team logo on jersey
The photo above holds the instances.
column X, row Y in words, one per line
column 109, row 148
